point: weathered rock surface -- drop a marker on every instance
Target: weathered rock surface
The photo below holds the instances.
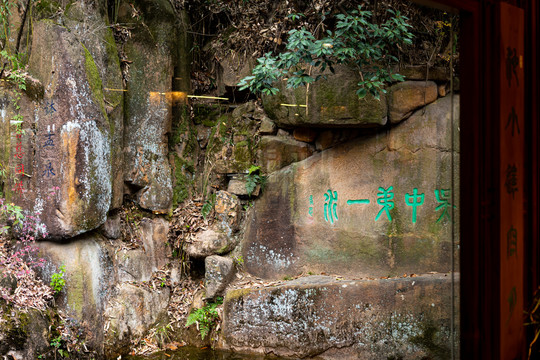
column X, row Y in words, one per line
column 23, row 334
column 148, row 107
column 277, row 152
column 89, row 272
column 406, row 318
column 131, row 312
column 407, row 96
column 331, row 102
column 66, row 157
column 213, row 241
column 139, row 264
column 237, row 185
column 268, row 127
column 234, row 142
column 99, row 293
column 232, row 68
column 85, row 20
column 219, row 271
column 227, row 210
column 111, row 229
column 375, row 206
column 220, row 237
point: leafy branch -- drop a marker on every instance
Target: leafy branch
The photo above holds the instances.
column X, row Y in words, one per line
column 356, row 41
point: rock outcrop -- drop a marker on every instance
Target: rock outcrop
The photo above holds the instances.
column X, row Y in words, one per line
column 112, row 146
column 149, row 103
column 330, row 102
column 66, row 153
column 318, row 315
column 375, row 206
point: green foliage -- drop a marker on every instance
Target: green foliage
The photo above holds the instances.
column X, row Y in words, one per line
column 208, row 206
column 239, row 260
column 356, row 41
column 12, row 68
column 10, row 212
column 295, row 16
column 57, row 280
column 254, row 178
column 163, row 334
column 205, row 317
column 57, row 344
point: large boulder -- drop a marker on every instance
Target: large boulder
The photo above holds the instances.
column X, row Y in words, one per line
column 407, row 318
column 277, row 152
column 407, row 96
column 219, row 271
column 149, row 102
column 375, row 206
column 212, row 241
column 85, row 21
column 66, row 146
column 89, row 273
column 330, row 102
column 131, row 312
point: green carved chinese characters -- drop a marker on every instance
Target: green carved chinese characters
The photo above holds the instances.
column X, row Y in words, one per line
column 385, row 197
column 330, row 206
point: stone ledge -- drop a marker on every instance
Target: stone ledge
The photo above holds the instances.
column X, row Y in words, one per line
column 404, row 318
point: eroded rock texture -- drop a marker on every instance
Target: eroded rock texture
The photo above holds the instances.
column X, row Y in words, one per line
column 369, row 207
column 359, row 319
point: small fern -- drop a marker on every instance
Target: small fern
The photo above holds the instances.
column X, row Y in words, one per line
column 204, row 317
column 253, row 179
column 208, row 206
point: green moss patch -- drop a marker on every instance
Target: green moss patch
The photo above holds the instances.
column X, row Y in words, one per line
column 94, row 80
column 183, row 184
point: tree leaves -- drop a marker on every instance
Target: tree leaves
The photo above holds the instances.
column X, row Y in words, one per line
column 356, row 41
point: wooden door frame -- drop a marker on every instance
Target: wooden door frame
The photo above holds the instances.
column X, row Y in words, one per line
column 479, row 169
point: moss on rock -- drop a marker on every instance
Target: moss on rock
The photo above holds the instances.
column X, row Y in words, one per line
column 94, row 80
column 182, row 185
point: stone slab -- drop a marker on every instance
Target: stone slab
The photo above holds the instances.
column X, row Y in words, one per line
column 330, row 102
column 402, row 318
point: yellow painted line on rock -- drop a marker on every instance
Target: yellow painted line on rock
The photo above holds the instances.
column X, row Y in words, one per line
column 180, row 93
column 294, row 105
column 207, row 97
column 177, row 93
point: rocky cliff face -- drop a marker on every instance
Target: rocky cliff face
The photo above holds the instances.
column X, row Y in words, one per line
column 67, row 137
column 378, row 205
column 136, row 180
